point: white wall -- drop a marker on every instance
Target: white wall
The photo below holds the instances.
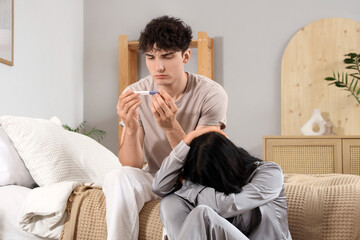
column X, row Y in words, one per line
column 47, row 76
column 250, row 38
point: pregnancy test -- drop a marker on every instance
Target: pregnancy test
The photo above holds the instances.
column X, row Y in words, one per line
column 146, row 92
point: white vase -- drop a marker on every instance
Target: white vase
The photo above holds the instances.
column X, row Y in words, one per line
column 316, row 119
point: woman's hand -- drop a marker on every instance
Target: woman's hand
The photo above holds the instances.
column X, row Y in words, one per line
column 198, row 132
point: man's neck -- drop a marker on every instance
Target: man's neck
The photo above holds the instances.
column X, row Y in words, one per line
column 177, row 89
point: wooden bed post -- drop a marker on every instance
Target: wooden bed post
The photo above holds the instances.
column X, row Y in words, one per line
column 127, row 67
column 205, row 47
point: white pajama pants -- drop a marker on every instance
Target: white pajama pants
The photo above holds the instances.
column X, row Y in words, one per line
column 126, row 191
column 184, row 221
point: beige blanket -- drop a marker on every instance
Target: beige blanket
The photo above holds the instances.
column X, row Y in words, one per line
column 86, row 215
column 323, row 206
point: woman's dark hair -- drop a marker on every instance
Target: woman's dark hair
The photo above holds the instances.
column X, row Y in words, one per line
column 168, row 33
column 214, row 161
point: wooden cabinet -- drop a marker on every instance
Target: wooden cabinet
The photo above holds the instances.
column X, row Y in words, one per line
column 351, row 156
column 314, row 154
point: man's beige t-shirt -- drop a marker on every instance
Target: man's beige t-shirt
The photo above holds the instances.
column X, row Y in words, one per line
column 204, row 102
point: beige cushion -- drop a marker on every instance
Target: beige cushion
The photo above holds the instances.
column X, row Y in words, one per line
column 325, row 206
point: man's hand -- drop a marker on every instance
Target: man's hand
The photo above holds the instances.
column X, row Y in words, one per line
column 198, row 132
column 131, row 142
column 164, row 109
column 127, row 109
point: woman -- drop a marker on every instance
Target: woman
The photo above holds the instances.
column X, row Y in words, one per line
column 224, row 193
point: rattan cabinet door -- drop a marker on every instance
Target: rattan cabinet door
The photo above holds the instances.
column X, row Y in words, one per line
column 351, row 156
column 305, row 155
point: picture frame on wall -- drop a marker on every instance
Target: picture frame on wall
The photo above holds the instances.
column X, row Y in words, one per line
column 7, row 32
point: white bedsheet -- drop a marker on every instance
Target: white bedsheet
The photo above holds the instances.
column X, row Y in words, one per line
column 44, row 209
column 12, row 198
column 37, row 213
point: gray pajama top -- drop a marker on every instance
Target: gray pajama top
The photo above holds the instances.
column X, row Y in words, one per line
column 259, row 210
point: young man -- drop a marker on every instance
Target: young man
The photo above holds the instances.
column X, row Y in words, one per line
column 153, row 125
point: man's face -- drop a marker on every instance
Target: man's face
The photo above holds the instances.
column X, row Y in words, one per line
column 166, row 67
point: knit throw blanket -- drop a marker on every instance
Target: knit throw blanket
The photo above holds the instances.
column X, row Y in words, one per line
column 86, row 215
column 325, row 206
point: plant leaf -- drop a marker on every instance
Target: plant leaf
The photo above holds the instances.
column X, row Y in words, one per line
column 351, row 67
column 346, row 79
column 352, row 81
column 355, row 85
column 349, row 60
column 352, row 55
column 100, row 134
column 353, row 75
column 68, row 128
column 329, row 79
column 340, row 84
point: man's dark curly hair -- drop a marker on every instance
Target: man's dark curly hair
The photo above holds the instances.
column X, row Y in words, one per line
column 168, row 33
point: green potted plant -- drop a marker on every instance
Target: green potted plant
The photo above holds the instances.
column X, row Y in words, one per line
column 93, row 132
column 348, row 81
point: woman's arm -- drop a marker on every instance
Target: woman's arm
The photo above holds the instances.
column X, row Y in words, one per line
column 263, row 188
column 165, row 179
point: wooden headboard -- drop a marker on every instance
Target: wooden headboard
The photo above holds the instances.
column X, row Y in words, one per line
column 312, row 54
column 128, row 52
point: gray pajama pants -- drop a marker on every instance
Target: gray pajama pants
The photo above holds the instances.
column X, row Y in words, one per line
column 184, row 221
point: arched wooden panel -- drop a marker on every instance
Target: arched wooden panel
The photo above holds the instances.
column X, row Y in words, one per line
column 312, row 54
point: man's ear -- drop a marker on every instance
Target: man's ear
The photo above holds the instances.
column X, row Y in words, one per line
column 187, row 55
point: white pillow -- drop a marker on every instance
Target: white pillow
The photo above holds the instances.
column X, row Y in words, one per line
column 12, row 168
column 53, row 154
